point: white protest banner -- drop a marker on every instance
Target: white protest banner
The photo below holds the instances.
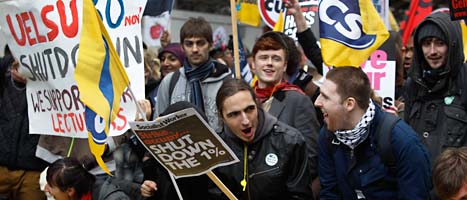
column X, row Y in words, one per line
column 382, row 74
column 184, row 144
column 156, row 20
column 44, row 36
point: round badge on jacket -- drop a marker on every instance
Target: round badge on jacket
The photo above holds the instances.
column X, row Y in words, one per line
column 271, row 159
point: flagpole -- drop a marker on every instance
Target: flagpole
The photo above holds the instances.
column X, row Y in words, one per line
column 410, row 22
column 221, row 185
column 175, row 186
column 140, row 110
column 233, row 17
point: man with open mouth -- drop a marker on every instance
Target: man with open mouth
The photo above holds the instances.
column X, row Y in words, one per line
column 273, row 156
column 365, row 153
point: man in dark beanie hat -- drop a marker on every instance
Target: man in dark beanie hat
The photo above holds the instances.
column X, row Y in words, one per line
column 436, row 98
column 430, row 29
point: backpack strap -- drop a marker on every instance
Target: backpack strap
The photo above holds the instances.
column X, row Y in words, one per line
column 172, row 83
column 383, row 138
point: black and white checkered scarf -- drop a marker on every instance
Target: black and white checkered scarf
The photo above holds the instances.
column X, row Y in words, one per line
column 352, row 138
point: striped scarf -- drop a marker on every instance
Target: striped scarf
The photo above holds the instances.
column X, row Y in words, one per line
column 194, row 76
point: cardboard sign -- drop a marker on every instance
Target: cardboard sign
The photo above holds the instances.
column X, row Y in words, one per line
column 44, row 37
column 184, row 143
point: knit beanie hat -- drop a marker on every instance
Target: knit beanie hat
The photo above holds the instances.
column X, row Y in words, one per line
column 175, row 49
column 430, row 29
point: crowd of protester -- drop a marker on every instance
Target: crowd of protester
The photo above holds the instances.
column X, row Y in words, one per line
column 296, row 137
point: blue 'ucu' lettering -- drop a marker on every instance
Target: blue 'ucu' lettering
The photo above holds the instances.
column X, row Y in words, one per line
column 345, row 26
column 95, row 126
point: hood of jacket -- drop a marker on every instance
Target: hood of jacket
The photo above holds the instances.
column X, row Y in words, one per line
column 455, row 55
column 219, row 72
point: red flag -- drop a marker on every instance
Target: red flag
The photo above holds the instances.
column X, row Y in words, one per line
column 418, row 10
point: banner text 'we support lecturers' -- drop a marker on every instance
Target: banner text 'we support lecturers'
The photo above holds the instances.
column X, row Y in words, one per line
column 44, row 36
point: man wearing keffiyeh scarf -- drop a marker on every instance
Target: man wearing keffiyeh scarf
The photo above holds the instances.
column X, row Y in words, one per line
column 352, row 138
column 285, row 101
column 351, row 165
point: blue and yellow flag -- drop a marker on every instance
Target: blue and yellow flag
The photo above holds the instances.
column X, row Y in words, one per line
column 244, row 68
column 101, row 80
column 350, row 30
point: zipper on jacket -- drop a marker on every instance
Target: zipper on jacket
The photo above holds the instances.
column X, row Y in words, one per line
column 262, row 172
column 245, row 181
column 352, row 160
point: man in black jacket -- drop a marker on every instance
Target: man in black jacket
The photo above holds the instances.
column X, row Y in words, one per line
column 273, row 156
column 19, row 167
column 436, row 99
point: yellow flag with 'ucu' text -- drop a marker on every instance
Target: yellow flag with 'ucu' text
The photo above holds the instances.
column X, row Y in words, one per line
column 101, row 79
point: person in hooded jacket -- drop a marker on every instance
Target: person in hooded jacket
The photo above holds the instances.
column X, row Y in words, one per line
column 273, row 161
column 436, row 101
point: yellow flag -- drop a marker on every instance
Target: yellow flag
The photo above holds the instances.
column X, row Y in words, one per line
column 253, row 82
column 343, row 40
column 393, row 22
column 249, row 14
column 464, row 37
column 279, row 26
column 101, row 80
